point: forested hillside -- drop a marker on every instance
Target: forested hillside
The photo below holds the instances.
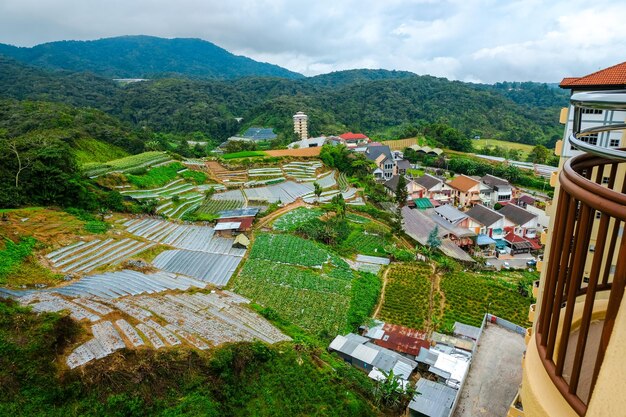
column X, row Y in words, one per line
column 383, row 104
column 144, row 57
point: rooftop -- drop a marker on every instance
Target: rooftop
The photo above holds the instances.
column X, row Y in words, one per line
column 428, row 181
column 516, row 214
column 243, row 212
column 463, row 183
column 492, row 180
column 352, row 136
column 611, row 76
column 432, row 399
column 484, row 215
column 373, row 152
column 398, row 338
column 450, row 213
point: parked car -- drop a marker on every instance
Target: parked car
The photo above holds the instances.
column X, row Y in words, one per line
column 506, row 265
column 532, row 262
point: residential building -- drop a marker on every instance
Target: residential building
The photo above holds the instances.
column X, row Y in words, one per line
column 385, row 163
column 466, row 190
column 524, row 201
column 483, row 220
column 501, row 190
column 522, row 222
column 453, row 215
column 574, row 361
column 300, row 122
column 436, row 188
column 403, row 166
column 353, row 140
column 414, row 190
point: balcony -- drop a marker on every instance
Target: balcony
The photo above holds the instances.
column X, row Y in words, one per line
column 577, row 316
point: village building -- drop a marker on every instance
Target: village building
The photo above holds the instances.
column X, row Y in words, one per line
column 414, row 190
column 522, row 222
column 383, row 158
column 501, row 190
column 466, row 190
column 435, row 188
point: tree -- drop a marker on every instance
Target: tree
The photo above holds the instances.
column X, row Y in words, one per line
column 23, row 160
column 396, row 222
column 539, row 155
column 339, row 205
column 317, row 189
column 433, row 239
column 209, row 193
column 402, row 194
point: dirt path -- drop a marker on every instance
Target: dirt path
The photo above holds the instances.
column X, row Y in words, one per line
column 382, row 293
column 435, row 310
column 268, row 219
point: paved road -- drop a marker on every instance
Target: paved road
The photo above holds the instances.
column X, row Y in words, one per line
column 515, row 262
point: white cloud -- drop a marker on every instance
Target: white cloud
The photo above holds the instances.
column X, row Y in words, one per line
column 470, row 40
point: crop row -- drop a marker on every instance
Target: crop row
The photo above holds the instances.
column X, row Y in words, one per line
column 469, row 296
column 291, row 220
column 289, row 249
column 125, row 164
column 407, row 295
column 215, row 206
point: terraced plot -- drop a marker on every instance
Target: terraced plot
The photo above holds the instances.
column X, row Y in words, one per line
column 87, row 256
column 158, row 321
column 407, row 295
column 215, row 206
column 208, row 267
column 292, row 220
column 128, row 163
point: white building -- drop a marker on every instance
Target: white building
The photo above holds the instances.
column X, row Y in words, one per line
column 300, row 123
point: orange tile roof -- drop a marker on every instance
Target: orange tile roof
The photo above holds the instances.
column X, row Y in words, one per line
column 463, row 183
column 611, row 76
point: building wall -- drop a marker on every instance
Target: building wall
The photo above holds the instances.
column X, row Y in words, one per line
column 539, row 395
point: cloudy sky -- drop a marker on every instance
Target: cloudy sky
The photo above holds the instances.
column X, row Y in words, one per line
column 468, row 40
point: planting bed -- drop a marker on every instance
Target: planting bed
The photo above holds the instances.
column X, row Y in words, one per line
column 407, row 295
column 291, row 220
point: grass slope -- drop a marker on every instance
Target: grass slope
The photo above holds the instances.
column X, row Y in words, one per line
column 91, row 150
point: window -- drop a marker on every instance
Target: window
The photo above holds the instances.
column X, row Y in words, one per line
column 614, row 143
column 591, row 111
column 591, row 139
column 504, row 197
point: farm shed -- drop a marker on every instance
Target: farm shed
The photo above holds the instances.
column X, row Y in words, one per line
column 241, row 241
column 432, row 399
column 361, row 353
column 398, row 338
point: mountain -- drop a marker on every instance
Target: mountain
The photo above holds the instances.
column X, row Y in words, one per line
column 144, row 57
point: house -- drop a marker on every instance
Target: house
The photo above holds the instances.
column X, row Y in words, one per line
column 522, row 222
column 452, row 215
column 450, row 365
column 517, row 243
column 403, row 166
column 435, row 188
column 525, row 200
column 466, row 190
column 352, row 140
column 413, row 189
column 502, row 191
column 385, row 164
column 360, row 352
column 483, row 220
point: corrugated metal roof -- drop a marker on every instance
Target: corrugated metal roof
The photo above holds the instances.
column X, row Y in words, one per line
column 243, row 212
column 365, row 354
column 338, row 343
column 373, row 259
column 433, row 399
column 227, row 226
column 402, row 370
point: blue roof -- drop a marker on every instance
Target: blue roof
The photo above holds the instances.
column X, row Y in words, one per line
column 259, row 133
column 500, row 243
column 482, row 240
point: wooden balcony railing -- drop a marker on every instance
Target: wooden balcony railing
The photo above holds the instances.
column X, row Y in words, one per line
column 578, row 311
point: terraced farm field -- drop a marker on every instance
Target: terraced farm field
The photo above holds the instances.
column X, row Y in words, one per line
column 407, row 295
column 292, row 220
column 284, row 273
column 215, row 206
column 128, row 163
column 470, row 295
column 198, row 320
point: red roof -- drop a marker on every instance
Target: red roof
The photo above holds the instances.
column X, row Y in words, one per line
column 611, row 76
column 353, row 136
column 246, row 222
column 513, row 238
column 402, row 339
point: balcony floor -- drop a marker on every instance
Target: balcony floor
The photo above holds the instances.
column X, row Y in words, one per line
column 591, row 352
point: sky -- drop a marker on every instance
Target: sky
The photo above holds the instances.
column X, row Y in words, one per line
column 469, row 40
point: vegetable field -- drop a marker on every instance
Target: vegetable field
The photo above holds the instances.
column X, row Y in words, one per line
column 292, row 250
column 126, row 164
column 407, row 295
column 291, row 220
column 304, row 296
column 469, row 296
column 215, row 206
